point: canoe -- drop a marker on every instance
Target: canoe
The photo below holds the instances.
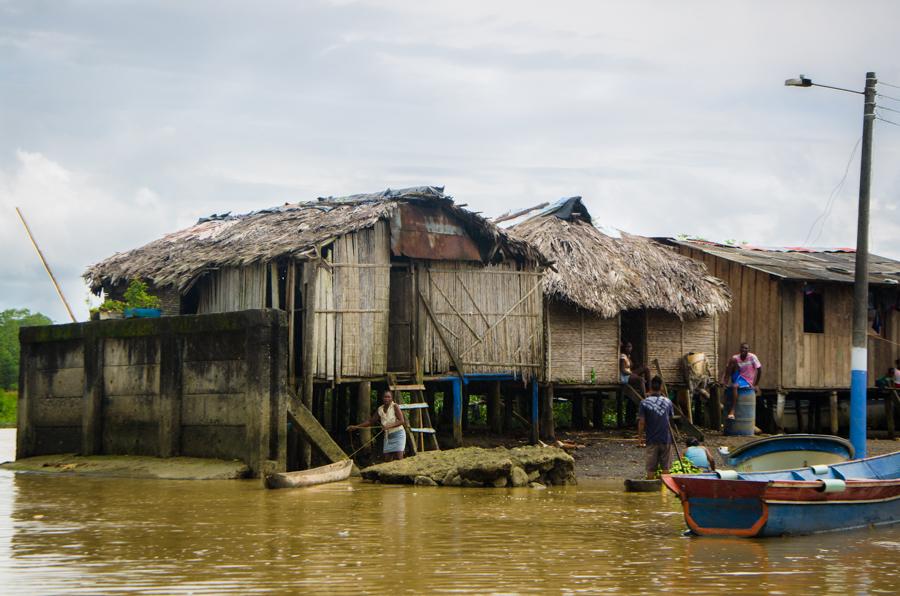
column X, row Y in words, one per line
column 852, row 494
column 321, row 475
column 784, row 452
column 642, row 486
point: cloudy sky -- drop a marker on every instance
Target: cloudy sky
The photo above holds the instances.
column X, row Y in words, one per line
column 120, row 121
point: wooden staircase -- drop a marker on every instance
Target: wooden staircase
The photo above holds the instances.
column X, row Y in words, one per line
column 415, row 411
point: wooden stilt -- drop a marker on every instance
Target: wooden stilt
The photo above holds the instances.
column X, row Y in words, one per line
column 889, row 414
column 780, row 398
column 578, row 412
column 799, row 411
column 548, row 429
column 598, row 411
column 494, row 419
column 620, row 399
column 715, row 407
column 833, row 412
column 363, row 405
column 509, row 397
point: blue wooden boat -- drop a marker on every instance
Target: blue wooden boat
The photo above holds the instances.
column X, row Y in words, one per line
column 784, row 452
column 825, row 498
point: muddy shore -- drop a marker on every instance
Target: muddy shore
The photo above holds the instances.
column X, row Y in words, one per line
column 614, row 454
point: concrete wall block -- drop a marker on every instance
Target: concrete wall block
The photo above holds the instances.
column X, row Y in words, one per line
column 213, row 410
column 124, row 409
column 223, row 376
column 224, row 345
column 57, row 439
column 131, row 438
column 58, row 411
column 138, row 379
column 64, row 382
column 223, row 442
column 131, row 350
column 58, row 355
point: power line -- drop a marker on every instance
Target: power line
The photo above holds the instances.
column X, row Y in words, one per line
column 888, row 96
column 887, row 108
column 889, row 84
column 823, row 217
column 888, row 121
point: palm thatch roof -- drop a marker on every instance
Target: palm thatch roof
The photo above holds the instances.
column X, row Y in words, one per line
column 297, row 230
column 608, row 272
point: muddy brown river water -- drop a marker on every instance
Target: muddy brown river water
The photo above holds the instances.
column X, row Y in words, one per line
column 67, row 534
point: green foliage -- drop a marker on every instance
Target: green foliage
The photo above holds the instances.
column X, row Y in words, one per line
column 8, row 406
column 110, row 306
column 684, row 466
column 10, row 321
column 136, row 296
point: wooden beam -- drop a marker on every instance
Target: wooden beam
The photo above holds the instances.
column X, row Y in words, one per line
column 314, row 432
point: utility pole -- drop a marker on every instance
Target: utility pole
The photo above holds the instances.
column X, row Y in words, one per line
column 859, row 351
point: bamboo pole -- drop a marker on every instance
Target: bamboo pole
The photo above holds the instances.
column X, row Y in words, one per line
column 46, row 266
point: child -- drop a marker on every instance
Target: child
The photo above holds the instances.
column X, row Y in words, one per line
column 699, row 455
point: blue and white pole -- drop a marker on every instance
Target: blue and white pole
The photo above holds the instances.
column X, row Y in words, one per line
column 858, row 353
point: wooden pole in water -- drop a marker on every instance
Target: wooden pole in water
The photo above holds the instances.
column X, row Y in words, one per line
column 46, row 266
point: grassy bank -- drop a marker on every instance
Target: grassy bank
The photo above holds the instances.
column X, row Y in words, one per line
column 7, row 408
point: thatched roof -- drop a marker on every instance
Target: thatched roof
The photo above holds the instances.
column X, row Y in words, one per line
column 608, row 272
column 295, row 230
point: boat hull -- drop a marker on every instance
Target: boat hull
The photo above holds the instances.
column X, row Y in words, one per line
column 792, row 502
column 322, row 475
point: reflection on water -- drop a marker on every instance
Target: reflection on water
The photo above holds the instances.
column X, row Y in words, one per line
column 94, row 534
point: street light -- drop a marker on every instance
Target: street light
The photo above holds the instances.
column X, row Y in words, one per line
column 859, row 350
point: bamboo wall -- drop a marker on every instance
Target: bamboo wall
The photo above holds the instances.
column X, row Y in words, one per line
column 581, row 341
column 755, row 315
column 884, row 350
column 669, row 339
column 351, row 306
column 491, row 317
column 231, row 289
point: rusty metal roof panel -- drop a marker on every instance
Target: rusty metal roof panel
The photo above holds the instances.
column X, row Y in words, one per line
column 422, row 231
column 801, row 264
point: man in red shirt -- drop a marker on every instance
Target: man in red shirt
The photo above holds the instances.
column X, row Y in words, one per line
column 744, row 370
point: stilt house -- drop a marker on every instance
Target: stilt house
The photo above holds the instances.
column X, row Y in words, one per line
column 794, row 307
column 372, row 283
column 606, row 287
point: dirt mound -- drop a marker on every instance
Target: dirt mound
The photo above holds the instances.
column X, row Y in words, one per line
column 477, row 467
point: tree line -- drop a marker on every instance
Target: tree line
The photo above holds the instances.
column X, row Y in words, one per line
column 10, row 322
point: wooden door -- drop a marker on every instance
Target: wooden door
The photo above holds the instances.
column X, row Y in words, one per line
column 400, row 320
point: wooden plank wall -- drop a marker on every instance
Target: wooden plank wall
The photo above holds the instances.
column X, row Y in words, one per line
column 352, row 303
column 581, row 341
column 817, row 360
column 492, row 316
column 755, row 315
column 234, row 288
column 885, row 349
column 669, row 339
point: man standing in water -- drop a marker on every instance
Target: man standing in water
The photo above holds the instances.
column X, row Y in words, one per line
column 655, row 430
column 390, row 416
column 744, row 370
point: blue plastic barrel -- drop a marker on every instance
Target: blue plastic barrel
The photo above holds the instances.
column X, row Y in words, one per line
column 744, row 414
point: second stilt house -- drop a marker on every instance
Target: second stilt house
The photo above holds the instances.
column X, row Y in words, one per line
column 606, row 286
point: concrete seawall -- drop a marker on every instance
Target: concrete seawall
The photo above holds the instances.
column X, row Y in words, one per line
column 198, row 386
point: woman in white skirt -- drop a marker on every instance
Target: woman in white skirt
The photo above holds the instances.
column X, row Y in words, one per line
column 390, row 416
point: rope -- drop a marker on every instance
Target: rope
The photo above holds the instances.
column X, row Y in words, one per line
column 364, row 445
column 883, row 339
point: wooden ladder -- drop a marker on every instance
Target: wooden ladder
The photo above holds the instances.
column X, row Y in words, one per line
column 417, row 407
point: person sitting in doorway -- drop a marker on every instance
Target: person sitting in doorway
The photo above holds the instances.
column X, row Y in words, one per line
column 699, row 455
column 630, row 374
column 390, row 416
column 655, row 429
column 743, row 371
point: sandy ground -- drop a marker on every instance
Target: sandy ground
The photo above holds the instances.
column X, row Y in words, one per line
column 132, row 466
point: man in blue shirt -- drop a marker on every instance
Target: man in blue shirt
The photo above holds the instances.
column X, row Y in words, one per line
column 655, row 430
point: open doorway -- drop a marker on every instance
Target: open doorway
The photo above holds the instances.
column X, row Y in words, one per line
column 634, row 330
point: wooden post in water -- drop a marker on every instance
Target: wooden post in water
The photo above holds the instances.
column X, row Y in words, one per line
column 457, row 412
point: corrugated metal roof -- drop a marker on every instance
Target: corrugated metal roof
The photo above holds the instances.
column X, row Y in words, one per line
column 801, row 264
